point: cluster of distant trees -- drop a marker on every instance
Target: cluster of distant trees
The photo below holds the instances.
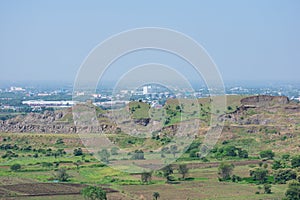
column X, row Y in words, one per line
column 167, row 172
column 36, row 152
column 284, row 171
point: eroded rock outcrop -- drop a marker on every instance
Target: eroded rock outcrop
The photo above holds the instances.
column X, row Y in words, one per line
column 263, row 110
column 264, row 100
column 60, row 121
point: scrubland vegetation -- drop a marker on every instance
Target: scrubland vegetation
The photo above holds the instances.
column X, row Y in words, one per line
column 250, row 161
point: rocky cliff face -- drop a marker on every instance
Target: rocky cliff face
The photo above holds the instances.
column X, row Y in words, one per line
column 49, row 122
column 264, row 100
column 264, row 110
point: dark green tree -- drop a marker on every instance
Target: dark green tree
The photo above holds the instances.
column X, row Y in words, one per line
column 167, row 172
column 47, row 164
column 277, row 164
column 267, row 189
column 78, row 152
column 194, row 153
column 114, row 151
column 285, row 156
column 156, row 195
column 195, row 145
column 62, row 175
column 15, row 167
column 183, row 170
column 293, row 191
column 77, row 164
column 104, row 155
column 242, row 153
column 284, row 175
column 259, row 174
column 268, row 154
column 146, row 177
column 235, row 178
column 93, row 193
column 225, row 170
column 138, row 155
column 229, row 151
column 295, row 161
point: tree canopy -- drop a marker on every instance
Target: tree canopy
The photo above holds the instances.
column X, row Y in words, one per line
column 225, row 170
column 94, row 193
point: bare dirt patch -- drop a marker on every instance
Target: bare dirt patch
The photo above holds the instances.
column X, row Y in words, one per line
column 44, row 189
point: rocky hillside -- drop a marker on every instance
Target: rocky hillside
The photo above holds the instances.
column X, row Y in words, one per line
column 265, row 110
column 264, row 100
column 251, row 113
column 60, row 121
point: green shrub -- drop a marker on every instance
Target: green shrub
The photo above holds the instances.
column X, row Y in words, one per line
column 15, row 167
column 94, row 193
column 138, row 155
column 104, row 155
column 235, row 178
column 225, row 170
column 78, row 152
column 10, row 154
column 183, row 170
column 285, row 156
column 62, row 175
column 242, row 153
column 277, row 164
column 267, row 189
column 114, row 151
column 293, row 191
column 194, row 146
column 269, row 154
column 59, row 141
column 146, row 177
column 259, row 174
column 156, row 195
column 47, row 164
column 283, row 175
column 295, row 161
column 193, row 153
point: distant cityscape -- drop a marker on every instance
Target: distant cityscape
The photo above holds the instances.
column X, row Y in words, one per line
column 33, row 99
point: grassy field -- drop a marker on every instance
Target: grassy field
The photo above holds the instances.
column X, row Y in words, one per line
column 205, row 185
column 202, row 183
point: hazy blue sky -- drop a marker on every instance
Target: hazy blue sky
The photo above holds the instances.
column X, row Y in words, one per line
column 248, row 40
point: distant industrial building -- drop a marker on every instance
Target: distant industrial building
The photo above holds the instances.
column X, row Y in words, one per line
column 16, row 89
column 49, row 104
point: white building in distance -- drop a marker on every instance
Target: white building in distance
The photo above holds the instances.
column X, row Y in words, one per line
column 16, row 89
column 49, row 104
